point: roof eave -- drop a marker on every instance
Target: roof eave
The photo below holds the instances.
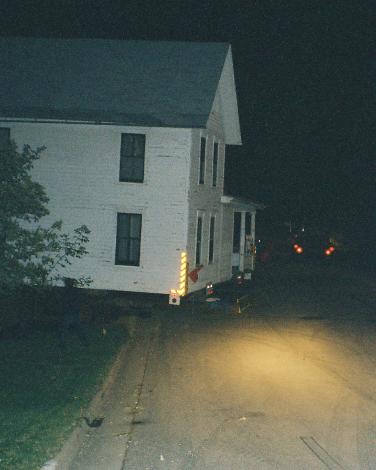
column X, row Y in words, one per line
column 242, row 203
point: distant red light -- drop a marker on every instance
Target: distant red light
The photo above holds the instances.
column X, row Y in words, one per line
column 296, row 246
column 331, row 248
column 328, row 252
column 299, row 249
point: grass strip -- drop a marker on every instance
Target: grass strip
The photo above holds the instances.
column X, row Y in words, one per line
column 44, row 387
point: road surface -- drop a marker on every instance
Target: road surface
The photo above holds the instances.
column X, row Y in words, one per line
column 288, row 383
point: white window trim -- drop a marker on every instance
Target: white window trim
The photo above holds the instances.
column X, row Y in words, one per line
column 127, row 210
column 199, row 160
column 223, row 147
column 210, row 263
column 146, row 159
column 200, row 213
column 215, row 141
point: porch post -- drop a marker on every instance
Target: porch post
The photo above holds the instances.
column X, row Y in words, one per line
column 242, row 241
column 253, row 235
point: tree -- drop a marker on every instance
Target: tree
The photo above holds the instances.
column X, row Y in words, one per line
column 31, row 254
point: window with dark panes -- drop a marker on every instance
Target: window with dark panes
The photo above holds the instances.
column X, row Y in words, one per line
column 201, row 179
column 198, row 240
column 236, row 233
column 132, row 158
column 215, row 163
column 128, row 239
column 4, row 137
column 211, row 239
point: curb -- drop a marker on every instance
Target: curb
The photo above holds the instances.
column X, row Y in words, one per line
column 63, row 459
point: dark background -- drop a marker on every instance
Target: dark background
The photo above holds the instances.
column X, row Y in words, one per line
column 306, row 77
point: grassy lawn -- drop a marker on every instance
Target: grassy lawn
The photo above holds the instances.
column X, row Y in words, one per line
column 44, row 387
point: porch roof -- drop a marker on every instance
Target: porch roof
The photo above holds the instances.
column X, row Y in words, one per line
column 242, row 204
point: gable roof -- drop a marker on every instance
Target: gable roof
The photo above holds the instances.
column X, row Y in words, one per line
column 146, row 83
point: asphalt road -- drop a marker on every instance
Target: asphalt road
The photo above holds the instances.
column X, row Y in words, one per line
column 288, row 383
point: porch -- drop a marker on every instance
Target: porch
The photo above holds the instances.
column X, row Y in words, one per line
column 244, row 231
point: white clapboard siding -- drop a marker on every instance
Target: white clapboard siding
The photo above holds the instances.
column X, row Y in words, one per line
column 204, row 199
column 80, row 171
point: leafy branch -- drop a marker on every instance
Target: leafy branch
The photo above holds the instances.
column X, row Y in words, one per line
column 30, row 253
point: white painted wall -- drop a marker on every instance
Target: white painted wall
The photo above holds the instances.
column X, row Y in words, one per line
column 80, row 171
column 226, row 105
column 206, row 200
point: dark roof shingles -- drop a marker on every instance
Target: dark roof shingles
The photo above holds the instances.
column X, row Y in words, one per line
column 126, row 82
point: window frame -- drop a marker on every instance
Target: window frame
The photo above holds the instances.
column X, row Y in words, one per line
column 199, row 237
column 202, row 160
column 125, row 157
column 222, row 152
column 211, row 239
column 128, row 261
column 215, row 163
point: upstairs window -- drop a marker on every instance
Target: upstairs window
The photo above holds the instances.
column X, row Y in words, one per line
column 128, row 239
column 198, row 240
column 4, row 138
column 215, row 163
column 211, row 239
column 132, row 158
column 201, row 179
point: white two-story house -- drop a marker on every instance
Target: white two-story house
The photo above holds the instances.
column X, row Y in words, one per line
column 135, row 135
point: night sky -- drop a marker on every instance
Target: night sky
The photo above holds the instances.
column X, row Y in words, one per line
column 306, row 80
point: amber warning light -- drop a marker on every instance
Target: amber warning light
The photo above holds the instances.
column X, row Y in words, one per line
column 182, row 290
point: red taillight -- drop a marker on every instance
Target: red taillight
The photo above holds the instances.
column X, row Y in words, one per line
column 331, row 248
column 328, row 252
column 299, row 249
